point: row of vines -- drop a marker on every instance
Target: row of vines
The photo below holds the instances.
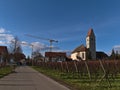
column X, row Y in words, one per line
column 96, row 71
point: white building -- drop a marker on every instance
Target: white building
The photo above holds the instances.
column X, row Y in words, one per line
column 80, row 52
column 88, row 52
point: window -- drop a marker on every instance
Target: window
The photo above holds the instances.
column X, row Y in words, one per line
column 82, row 55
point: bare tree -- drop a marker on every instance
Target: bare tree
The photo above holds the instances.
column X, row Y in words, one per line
column 37, row 55
column 16, row 50
column 15, row 46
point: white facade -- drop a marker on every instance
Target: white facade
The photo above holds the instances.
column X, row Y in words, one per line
column 74, row 56
column 82, row 55
column 88, row 42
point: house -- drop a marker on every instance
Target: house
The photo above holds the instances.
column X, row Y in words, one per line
column 3, row 53
column 55, row 56
column 3, row 50
column 86, row 52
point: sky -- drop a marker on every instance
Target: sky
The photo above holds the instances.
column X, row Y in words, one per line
column 67, row 21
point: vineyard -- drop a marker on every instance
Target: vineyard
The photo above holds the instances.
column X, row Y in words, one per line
column 99, row 73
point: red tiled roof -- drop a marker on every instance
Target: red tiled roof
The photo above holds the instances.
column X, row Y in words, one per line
column 80, row 49
column 90, row 32
column 3, row 49
column 55, row 54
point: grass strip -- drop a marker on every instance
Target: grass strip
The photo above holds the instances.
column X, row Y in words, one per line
column 5, row 71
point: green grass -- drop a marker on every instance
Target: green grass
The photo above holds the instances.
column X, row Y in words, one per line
column 77, row 83
column 5, row 71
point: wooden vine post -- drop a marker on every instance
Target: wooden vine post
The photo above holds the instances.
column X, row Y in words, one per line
column 105, row 74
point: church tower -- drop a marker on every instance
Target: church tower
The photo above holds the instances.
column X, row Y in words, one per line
column 91, row 43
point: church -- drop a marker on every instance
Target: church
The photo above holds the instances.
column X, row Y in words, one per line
column 87, row 52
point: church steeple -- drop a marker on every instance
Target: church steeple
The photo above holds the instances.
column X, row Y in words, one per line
column 90, row 32
column 91, row 43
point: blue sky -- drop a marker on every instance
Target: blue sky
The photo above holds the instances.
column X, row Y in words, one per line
column 67, row 21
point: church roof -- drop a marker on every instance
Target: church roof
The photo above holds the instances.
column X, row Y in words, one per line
column 81, row 48
column 90, row 32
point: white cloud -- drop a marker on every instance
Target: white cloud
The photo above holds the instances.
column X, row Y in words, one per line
column 38, row 46
column 2, row 30
column 2, row 42
column 5, row 38
column 24, row 43
column 117, row 46
column 9, row 37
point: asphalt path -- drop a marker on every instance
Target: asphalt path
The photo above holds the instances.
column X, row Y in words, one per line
column 27, row 78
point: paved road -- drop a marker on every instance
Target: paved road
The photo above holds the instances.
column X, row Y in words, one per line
column 28, row 79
